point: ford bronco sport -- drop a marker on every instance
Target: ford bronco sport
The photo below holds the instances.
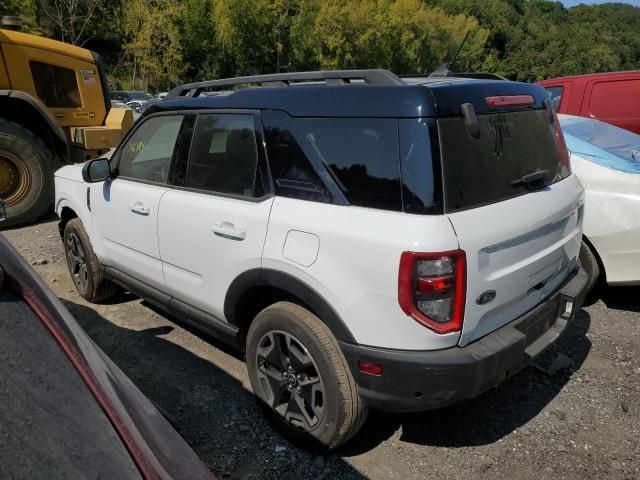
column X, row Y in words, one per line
column 367, row 241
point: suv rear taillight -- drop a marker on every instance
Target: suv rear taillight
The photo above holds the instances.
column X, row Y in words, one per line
column 560, row 143
column 432, row 288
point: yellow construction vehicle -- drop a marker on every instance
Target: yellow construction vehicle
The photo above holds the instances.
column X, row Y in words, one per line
column 54, row 110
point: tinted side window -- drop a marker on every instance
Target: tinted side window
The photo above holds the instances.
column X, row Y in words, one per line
column 362, row 156
column 148, row 151
column 555, row 94
column 224, row 155
column 57, row 87
column 291, row 169
column 421, row 185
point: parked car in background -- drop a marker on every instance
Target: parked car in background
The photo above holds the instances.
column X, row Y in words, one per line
column 610, row 97
column 119, row 104
column 67, row 410
column 140, row 106
column 129, row 96
column 368, row 243
column 607, row 161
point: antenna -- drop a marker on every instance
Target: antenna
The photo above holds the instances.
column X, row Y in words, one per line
column 443, row 70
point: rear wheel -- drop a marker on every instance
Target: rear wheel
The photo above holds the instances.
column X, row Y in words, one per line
column 301, row 377
column 83, row 264
column 26, row 174
column 589, row 262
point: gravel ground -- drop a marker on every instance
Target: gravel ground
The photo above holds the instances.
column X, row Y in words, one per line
column 581, row 422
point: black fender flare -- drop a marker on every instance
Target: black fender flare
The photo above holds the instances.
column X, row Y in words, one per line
column 288, row 283
column 24, row 109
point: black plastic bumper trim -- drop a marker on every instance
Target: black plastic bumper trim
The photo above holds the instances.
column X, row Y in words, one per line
column 425, row 380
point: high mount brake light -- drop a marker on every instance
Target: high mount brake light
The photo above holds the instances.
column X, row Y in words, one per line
column 432, row 288
column 510, row 101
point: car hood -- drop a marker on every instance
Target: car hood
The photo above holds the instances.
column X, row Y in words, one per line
column 71, row 172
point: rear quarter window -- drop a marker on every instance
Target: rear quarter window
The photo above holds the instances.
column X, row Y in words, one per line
column 362, row 156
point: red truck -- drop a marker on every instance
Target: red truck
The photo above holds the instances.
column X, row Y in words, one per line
column 610, row 97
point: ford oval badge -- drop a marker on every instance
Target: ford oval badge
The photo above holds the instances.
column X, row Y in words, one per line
column 486, row 297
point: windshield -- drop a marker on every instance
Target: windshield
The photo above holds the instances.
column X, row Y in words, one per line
column 601, row 143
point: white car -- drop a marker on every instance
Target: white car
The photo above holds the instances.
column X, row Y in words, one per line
column 607, row 161
column 367, row 243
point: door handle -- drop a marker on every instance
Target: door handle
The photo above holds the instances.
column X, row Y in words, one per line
column 140, row 209
column 229, row 230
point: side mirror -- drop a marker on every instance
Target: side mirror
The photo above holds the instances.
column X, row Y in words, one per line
column 3, row 211
column 97, row 170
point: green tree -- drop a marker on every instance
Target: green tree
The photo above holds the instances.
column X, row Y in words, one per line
column 153, row 43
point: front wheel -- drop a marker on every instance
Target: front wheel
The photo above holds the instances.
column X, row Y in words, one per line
column 301, row 378
column 83, row 264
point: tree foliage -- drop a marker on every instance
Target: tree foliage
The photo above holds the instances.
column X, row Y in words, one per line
column 157, row 43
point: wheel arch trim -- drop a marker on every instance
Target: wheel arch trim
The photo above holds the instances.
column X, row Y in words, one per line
column 265, row 277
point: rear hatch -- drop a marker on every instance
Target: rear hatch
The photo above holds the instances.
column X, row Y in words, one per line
column 510, row 196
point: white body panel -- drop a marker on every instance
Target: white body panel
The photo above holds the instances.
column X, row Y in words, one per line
column 206, row 241
column 612, row 219
column 71, row 192
column 356, row 268
column 125, row 228
column 522, row 248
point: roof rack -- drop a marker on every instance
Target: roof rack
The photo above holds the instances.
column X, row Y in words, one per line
column 329, row 77
column 435, row 76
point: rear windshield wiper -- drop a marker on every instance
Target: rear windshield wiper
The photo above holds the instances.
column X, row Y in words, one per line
column 531, row 180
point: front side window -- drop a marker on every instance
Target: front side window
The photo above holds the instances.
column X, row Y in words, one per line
column 362, row 156
column 147, row 153
column 56, row 86
column 224, row 155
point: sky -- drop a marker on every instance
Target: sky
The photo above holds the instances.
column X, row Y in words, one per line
column 571, row 3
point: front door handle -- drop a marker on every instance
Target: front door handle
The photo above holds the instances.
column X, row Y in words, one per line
column 229, row 230
column 140, row 209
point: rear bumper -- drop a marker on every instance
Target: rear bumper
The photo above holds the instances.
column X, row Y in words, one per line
column 424, row 380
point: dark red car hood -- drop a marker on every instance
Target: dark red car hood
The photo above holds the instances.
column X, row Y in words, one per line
column 155, row 447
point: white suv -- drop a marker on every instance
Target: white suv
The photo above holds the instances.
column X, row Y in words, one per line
column 366, row 241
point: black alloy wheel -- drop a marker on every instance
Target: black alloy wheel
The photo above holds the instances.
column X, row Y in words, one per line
column 290, row 380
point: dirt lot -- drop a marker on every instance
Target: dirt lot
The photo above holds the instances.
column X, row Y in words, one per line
column 582, row 422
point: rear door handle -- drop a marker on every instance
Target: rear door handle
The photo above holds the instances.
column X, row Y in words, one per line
column 140, row 209
column 229, row 230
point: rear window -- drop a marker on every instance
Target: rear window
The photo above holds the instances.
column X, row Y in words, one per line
column 510, row 145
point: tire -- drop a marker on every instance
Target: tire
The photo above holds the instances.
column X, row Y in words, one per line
column 83, row 264
column 26, row 174
column 335, row 414
column 589, row 262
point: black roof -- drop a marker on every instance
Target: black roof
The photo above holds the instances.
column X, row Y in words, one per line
column 346, row 94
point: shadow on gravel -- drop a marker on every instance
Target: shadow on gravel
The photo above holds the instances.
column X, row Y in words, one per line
column 47, row 218
column 215, row 414
column 490, row 416
column 621, row 298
